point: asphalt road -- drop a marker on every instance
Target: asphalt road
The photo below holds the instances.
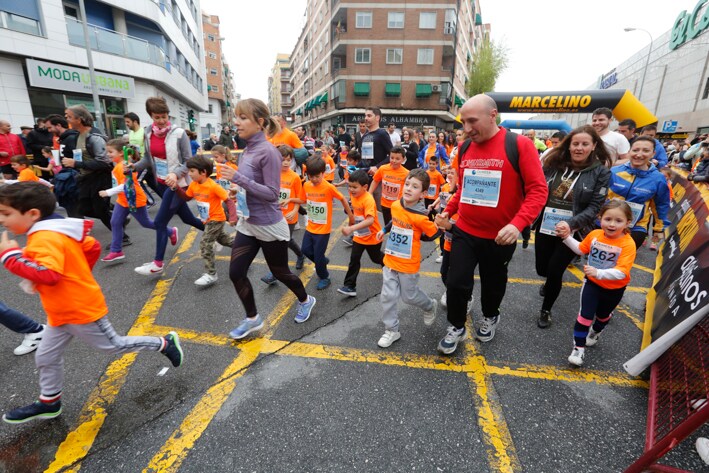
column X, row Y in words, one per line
column 321, row 396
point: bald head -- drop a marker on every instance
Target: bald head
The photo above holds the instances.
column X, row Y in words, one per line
column 5, row 127
column 478, row 115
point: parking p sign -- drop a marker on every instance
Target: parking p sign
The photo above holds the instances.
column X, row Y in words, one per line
column 669, row 126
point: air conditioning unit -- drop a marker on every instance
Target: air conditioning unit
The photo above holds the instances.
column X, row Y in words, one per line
column 436, row 88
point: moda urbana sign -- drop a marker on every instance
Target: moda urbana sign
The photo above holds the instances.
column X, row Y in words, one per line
column 49, row 75
column 688, row 26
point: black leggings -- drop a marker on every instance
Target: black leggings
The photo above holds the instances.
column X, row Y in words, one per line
column 638, row 237
column 552, row 257
column 244, row 251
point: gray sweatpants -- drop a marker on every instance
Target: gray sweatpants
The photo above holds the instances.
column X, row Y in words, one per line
column 100, row 334
column 402, row 285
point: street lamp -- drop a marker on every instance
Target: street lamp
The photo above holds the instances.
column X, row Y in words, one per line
column 647, row 61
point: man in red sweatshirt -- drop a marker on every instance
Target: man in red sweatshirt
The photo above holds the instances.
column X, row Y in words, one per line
column 495, row 200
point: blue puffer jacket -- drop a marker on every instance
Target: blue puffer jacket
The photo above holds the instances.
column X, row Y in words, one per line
column 640, row 187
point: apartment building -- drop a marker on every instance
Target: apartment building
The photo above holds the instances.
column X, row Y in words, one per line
column 220, row 91
column 410, row 59
column 279, row 86
column 140, row 48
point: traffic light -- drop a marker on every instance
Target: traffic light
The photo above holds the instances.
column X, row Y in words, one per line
column 191, row 120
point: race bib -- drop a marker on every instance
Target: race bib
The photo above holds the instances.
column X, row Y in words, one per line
column 317, row 212
column 328, row 169
column 481, row 187
column 203, row 211
column 161, row 168
column 114, row 182
column 637, row 210
column 342, row 144
column 432, row 190
column 444, row 196
column 363, row 232
column 390, row 190
column 283, row 195
column 368, row 150
column 551, row 217
column 400, row 242
column 603, row 256
column 225, row 184
column 242, row 208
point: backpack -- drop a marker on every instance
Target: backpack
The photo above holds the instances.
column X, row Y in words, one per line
column 301, row 156
column 511, row 150
column 65, row 187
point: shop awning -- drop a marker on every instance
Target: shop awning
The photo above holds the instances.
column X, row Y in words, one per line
column 361, row 89
column 478, row 19
column 423, row 90
column 323, row 98
column 459, row 101
column 392, row 89
column 299, row 111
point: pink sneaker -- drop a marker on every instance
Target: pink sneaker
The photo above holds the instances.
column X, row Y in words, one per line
column 174, row 236
column 113, row 256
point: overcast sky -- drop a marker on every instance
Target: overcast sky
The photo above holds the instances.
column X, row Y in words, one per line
column 553, row 44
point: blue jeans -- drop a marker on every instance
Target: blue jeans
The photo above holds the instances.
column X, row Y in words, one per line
column 118, row 218
column 313, row 248
column 170, row 206
column 16, row 321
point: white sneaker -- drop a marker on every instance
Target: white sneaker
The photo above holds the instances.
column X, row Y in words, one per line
column 388, row 338
column 149, row 268
column 439, row 259
column 592, row 338
column 444, row 300
column 703, row 449
column 218, row 247
column 30, row 343
column 576, row 357
column 206, row 280
column 430, row 315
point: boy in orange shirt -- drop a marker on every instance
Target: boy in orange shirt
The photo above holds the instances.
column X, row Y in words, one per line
column 392, row 177
column 330, row 167
column 219, row 154
column 318, row 195
column 209, row 196
column 21, row 165
column 290, row 186
column 437, row 180
column 56, row 263
column 364, row 230
column 402, row 256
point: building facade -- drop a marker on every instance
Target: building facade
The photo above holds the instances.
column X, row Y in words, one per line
column 676, row 77
column 411, row 60
column 279, row 86
column 140, row 48
column 220, row 91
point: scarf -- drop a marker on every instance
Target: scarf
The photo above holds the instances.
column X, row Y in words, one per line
column 161, row 132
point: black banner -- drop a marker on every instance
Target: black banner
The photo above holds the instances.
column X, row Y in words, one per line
column 681, row 285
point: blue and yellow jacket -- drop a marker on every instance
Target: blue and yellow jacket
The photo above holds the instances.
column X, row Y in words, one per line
column 640, row 187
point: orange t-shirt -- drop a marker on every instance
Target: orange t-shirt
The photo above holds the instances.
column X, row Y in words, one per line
column 27, row 174
column 392, row 183
column 228, row 163
column 362, row 207
column 119, row 178
column 437, row 180
column 448, row 236
column 329, row 168
column 607, row 253
column 319, row 205
column 286, row 137
column 77, row 297
column 209, row 196
column 403, row 245
column 290, row 188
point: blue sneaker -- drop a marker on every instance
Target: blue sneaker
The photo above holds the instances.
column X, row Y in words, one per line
column 269, row 279
column 36, row 410
column 486, row 332
column 173, row 350
column 449, row 343
column 323, row 284
column 246, row 327
column 304, row 309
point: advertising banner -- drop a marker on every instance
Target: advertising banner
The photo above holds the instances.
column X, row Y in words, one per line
column 49, row 75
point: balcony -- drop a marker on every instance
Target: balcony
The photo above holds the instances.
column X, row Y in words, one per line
column 107, row 41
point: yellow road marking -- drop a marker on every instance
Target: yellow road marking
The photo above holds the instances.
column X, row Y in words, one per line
column 552, row 373
column 93, row 414
column 624, row 311
column 644, row 268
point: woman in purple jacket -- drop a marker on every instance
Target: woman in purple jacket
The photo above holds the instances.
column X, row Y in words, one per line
column 261, row 222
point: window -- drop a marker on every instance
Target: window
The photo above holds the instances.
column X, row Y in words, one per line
column 327, row 66
column 215, row 88
column 395, row 56
column 210, row 37
column 72, row 11
column 427, row 20
column 363, row 56
column 213, row 71
column 396, row 20
column 210, row 108
column 425, row 56
column 363, row 19
column 212, row 56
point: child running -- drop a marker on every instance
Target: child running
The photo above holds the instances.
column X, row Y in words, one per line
column 402, row 256
column 121, row 211
column 57, row 262
column 209, row 196
column 437, row 180
column 611, row 254
column 330, row 167
column 290, row 186
column 318, row 195
column 364, row 230
column 219, row 154
column 392, row 177
column 21, row 165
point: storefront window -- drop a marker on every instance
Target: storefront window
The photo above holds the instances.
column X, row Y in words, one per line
column 46, row 103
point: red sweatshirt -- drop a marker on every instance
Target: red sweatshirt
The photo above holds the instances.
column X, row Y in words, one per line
column 514, row 205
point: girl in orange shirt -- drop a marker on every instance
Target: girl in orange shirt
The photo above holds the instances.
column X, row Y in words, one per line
column 611, row 254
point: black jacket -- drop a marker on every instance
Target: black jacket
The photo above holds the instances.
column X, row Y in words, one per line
column 36, row 140
column 67, row 141
column 412, row 154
